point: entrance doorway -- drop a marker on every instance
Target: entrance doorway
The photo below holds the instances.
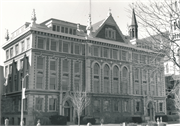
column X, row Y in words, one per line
column 67, row 110
column 150, row 111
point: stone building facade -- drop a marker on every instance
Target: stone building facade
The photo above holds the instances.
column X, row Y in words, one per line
column 62, row 57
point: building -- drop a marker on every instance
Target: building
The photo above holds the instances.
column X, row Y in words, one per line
column 1, row 88
column 172, row 70
column 63, row 57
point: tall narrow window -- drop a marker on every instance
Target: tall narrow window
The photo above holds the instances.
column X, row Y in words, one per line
column 77, row 49
column 40, row 63
column 52, row 65
column 115, row 52
column 124, row 55
column 115, row 80
column 17, row 49
column 54, row 27
column 39, row 82
column 137, row 106
column 11, row 52
column 40, row 43
column 7, row 54
column 28, row 42
column 106, row 52
column 53, row 45
column 58, row 28
column 65, row 80
column 96, row 78
column 22, row 46
column 65, row 47
column 106, row 79
column 136, row 81
column 62, row 29
column 52, row 83
column 77, row 69
column 96, row 51
column 124, row 80
column 161, row 107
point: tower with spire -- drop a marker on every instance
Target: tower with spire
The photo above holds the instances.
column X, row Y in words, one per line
column 133, row 28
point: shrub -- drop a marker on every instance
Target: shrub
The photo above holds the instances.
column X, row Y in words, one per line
column 164, row 118
column 137, row 119
column 58, row 120
column 87, row 119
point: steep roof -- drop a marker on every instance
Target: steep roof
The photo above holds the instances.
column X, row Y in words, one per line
column 133, row 21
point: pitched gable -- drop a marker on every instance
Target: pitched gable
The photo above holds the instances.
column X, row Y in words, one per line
column 108, row 29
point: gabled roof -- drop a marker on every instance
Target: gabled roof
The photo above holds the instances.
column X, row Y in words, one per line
column 97, row 27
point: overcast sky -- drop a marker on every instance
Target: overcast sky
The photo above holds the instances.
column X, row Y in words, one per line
column 15, row 13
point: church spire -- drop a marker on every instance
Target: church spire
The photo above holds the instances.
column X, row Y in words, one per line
column 133, row 28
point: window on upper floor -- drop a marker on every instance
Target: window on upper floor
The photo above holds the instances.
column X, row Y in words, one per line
column 96, row 51
column 7, row 54
column 65, row 47
column 74, row 31
column 110, row 33
column 17, row 49
column 52, row 65
column 96, row 78
column 77, row 49
column 22, row 46
column 66, row 30
column 65, row 79
column 53, row 45
column 52, row 83
column 135, row 58
column 54, row 27
column 28, row 43
column 40, row 63
column 124, row 55
column 58, row 28
column 143, row 59
column 115, row 54
column 39, row 82
column 11, row 52
column 40, row 43
column 70, row 31
column 62, row 29
column 106, row 52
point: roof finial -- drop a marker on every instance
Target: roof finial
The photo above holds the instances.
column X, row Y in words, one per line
column 89, row 27
column 7, row 35
column 33, row 16
column 109, row 13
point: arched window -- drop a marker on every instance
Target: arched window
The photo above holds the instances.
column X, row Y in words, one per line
column 115, row 79
column 96, row 79
column 124, row 80
column 106, row 79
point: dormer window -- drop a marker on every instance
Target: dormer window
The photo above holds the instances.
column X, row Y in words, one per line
column 110, row 33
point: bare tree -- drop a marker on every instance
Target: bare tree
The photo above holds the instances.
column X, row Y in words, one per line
column 155, row 26
column 80, row 101
column 159, row 23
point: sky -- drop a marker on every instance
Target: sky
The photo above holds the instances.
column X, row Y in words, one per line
column 14, row 13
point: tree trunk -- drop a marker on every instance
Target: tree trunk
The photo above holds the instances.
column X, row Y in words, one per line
column 78, row 119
